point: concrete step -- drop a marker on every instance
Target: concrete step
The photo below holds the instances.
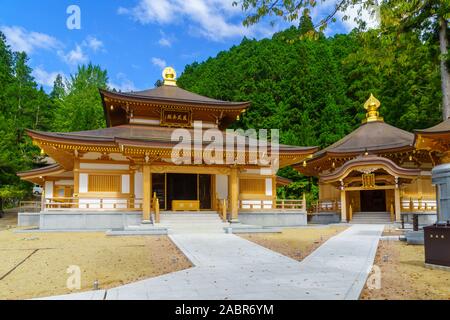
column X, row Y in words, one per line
column 141, row 227
column 371, row 218
column 192, row 222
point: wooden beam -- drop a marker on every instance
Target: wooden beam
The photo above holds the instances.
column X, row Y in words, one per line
column 374, row 188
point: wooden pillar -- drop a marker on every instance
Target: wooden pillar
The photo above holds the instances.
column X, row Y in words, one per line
column 146, row 193
column 343, row 206
column 234, row 194
column 76, row 177
column 274, row 192
column 397, row 204
column 132, row 192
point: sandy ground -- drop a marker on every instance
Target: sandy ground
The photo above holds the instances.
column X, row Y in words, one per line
column 404, row 275
column 390, row 230
column 296, row 243
column 8, row 221
column 35, row 264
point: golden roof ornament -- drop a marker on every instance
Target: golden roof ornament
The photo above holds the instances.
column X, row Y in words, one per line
column 372, row 105
column 169, row 76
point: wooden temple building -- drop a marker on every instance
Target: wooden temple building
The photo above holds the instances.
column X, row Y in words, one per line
column 128, row 167
column 376, row 169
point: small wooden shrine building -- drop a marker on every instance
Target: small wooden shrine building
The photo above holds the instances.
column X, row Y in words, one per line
column 375, row 168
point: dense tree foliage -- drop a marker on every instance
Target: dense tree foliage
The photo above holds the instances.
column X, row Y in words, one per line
column 313, row 88
column 429, row 18
column 22, row 105
column 78, row 103
column 72, row 105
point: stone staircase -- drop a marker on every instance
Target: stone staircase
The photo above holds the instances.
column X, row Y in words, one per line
column 371, row 218
column 192, row 222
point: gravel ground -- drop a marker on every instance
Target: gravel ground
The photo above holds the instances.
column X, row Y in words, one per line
column 404, row 275
column 296, row 243
column 35, row 264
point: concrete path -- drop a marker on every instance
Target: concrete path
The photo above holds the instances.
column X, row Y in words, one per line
column 229, row 267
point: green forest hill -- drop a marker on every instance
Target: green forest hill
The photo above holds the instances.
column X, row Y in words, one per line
column 309, row 86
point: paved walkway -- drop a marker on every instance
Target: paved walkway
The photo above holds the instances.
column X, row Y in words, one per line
column 229, row 267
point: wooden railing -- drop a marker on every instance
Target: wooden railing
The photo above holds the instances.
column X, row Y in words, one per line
column 222, row 208
column 424, row 204
column 64, row 203
column 279, row 205
column 325, row 205
column 258, row 205
column 155, row 207
column 30, row 206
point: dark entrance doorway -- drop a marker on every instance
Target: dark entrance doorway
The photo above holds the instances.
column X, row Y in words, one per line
column 373, row 201
column 180, row 186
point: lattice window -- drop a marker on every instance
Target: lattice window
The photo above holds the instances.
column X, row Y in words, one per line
column 104, row 183
column 252, row 186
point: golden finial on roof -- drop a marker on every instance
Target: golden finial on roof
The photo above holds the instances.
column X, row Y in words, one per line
column 372, row 106
column 169, row 76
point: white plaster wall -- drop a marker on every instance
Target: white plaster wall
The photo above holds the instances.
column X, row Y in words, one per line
column 92, row 155
column 48, row 189
column 83, row 182
column 266, row 204
column 64, row 182
column 137, row 185
column 103, row 166
column 125, row 183
column 222, row 186
column 268, row 186
column 259, row 172
column 117, row 157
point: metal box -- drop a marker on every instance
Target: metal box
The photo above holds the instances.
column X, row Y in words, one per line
column 437, row 245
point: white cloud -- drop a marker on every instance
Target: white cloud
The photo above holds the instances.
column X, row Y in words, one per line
column 123, row 83
column 159, row 62
column 28, row 41
column 214, row 19
column 166, row 40
column 75, row 56
column 45, row 78
column 93, row 43
column 324, row 9
column 358, row 12
column 78, row 55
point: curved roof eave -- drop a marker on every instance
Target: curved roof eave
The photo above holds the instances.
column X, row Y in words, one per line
column 51, row 169
column 210, row 102
column 369, row 161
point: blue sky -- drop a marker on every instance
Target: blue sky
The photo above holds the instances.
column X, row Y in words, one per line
column 132, row 39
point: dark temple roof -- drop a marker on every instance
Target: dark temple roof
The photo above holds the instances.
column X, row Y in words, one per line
column 174, row 94
column 133, row 132
column 443, row 127
column 371, row 136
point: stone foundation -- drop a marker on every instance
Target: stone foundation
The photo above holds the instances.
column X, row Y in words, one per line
column 93, row 220
column 273, row 219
